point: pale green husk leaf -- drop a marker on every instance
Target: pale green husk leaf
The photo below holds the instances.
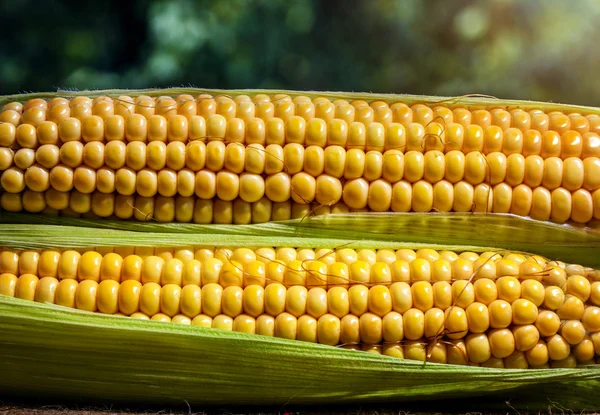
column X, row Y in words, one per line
column 51, row 352
column 458, row 231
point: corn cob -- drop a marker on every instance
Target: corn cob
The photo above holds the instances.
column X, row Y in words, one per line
column 253, row 159
column 488, row 309
column 252, row 153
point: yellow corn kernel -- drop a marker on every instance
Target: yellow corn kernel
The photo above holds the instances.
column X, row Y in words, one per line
column 414, row 324
column 328, row 329
column 456, row 322
column 131, row 268
column 191, row 301
column 590, row 319
column 65, row 293
column 8, row 283
column 558, row 348
column 442, row 295
column 422, row 295
column 500, row 313
column 172, row 272
column 434, row 323
column 150, row 298
column 502, row 343
column 86, row 295
column 316, row 273
column 478, row 348
column 307, row 329
column 108, row 296
column 475, row 168
column 526, row 337
column 222, row 322
column 114, row 153
column 473, row 139
column 571, row 309
column 554, row 298
column 211, row 299
column 286, row 326
column 401, row 297
column 420, row 270
column 579, row 286
column 163, row 318
column 524, row 311
column 45, row 290
column 232, row 301
column 584, row 350
column 152, row 269
column 572, row 331
column 244, row 324
column 554, row 275
column 296, row 300
column 139, row 316
column 68, row 265
column 265, row 325
column 509, row 288
column 28, row 262
column 482, row 118
column 275, row 295
column 89, row 266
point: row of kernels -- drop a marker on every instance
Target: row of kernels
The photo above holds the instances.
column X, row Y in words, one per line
column 392, row 166
column 462, row 197
column 540, row 203
column 213, row 299
column 160, row 208
column 499, row 349
column 113, row 128
column 517, row 301
column 195, row 156
column 356, row 135
column 511, row 141
column 284, row 106
column 146, row 182
column 192, row 209
column 125, row 106
column 508, row 261
column 508, row 264
column 543, row 355
column 287, row 265
column 246, row 269
column 366, row 265
column 572, row 173
column 310, row 272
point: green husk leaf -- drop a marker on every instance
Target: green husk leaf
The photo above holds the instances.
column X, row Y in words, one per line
column 458, row 231
column 54, row 352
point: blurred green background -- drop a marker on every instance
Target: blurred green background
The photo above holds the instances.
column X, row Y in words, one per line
column 529, row 49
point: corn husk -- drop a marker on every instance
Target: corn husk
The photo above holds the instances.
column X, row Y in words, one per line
column 48, row 351
column 453, row 231
column 55, row 353
column 61, row 353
